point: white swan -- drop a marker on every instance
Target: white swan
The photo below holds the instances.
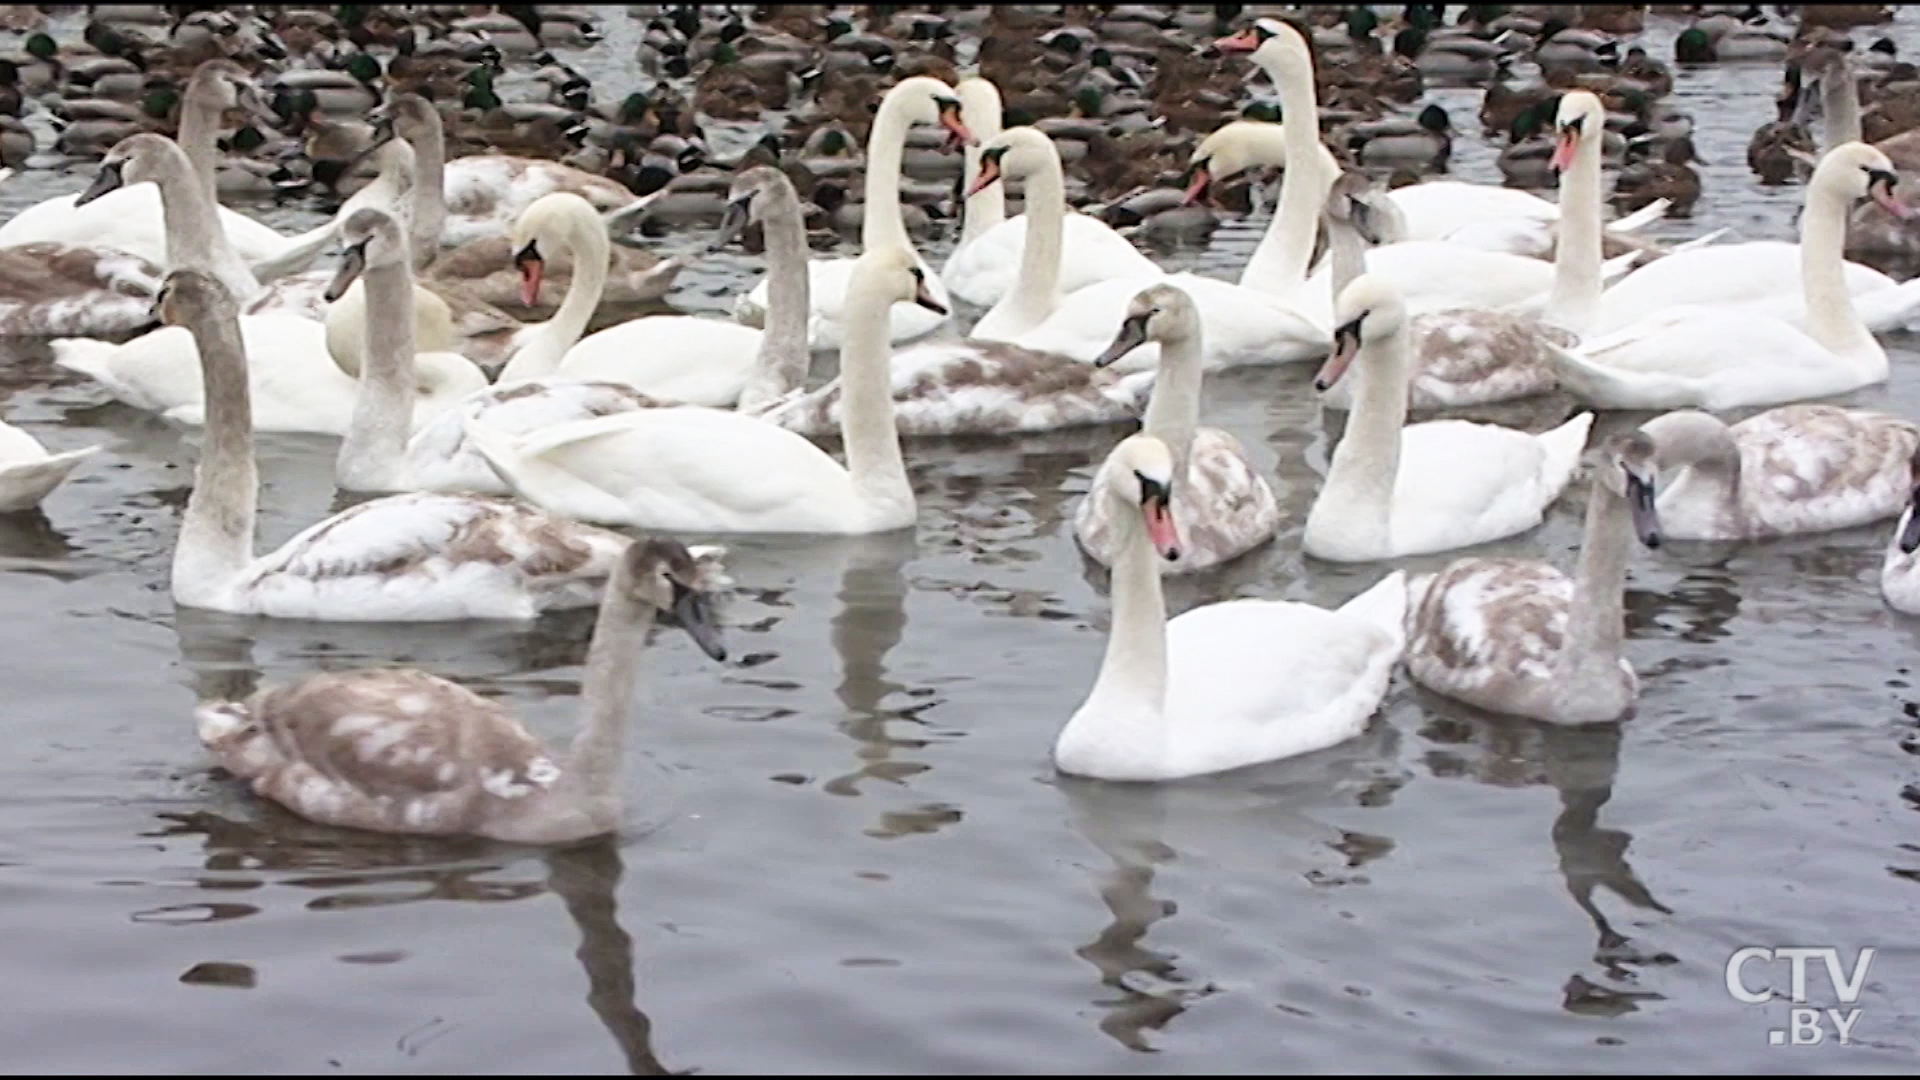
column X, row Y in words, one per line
column 28, row 473
column 132, row 220
column 985, row 265
column 706, row 470
column 1222, row 504
column 404, row 558
column 1393, row 490
column 917, row 100
column 296, row 386
column 1729, row 356
column 1787, row 471
column 1224, row 685
column 402, row 751
column 1518, row 636
column 670, row 357
column 1462, row 356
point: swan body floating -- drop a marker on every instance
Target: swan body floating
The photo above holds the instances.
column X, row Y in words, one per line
column 405, row 558
column 1727, row 357
column 1784, row 472
column 708, row 470
column 402, row 751
column 1222, row 505
column 1394, row 490
column 986, row 263
column 1520, row 637
column 28, row 474
column 1224, row 685
column 917, row 100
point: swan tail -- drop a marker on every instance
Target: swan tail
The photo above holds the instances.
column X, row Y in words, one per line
column 748, row 313
column 1563, row 446
column 299, row 254
column 1642, row 217
column 1593, row 383
column 24, row 484
column 1136, row 388
column 517, row 461
column 1615, row 268
column 1384, row 605
column 5, row 174
column 1698, row 242
column 620, row 219
column 88, row 356
column 1895, row 308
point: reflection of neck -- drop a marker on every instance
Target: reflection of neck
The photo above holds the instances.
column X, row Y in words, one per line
column 587, row 878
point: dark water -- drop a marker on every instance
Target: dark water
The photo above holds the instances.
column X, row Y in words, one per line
column 848, row 850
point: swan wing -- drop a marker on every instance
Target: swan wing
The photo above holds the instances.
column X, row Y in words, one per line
column 1463, row 483
column 1488, row 631
column 1810, row 468
column 1091, row 251
column 676, row 358
column 1242, row 325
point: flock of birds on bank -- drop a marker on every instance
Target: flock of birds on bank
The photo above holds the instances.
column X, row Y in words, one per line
column 496, row 495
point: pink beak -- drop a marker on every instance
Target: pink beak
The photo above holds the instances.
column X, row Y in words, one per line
column 1160, row 529
column 1563, row 152
column 531, row 272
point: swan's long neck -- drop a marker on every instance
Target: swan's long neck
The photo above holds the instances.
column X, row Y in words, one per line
column 784, row 356
column 216, row 532
column 1576, row 259
column 190, row 217
column 1840, row 102
column 199, row 137
column 587, row 242
column 429, row 197
column 874, row 461
column 1346, row 254
column 1360, row 476
column 1831, row 319
column 372, row 455
column 1279, row 264
column 1136, row 662
column 613, row 668
column 987, row 207
column 886, row 148
column 1036, row 292
column 1174, row 411
column 1596, row 621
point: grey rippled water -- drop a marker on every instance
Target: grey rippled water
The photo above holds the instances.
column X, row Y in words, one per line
column 849, row 851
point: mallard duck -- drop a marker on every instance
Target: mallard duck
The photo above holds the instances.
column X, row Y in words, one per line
column 1672, row 178
column 1423, row 142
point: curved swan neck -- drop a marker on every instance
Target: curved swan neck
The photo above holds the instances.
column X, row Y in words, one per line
column 1135, row 664
column 1174, row 410
column 1596, row 619
column 199, row 136
column 1576, row 258
column 1036, row 292
column 1831, row 319
column 1279, row 264
column 216, row 531
column 613, row 669
column 585, row 239
column 1361, row 473
column 882, row 225
column 1840, row 102
column 784, row 356
column 874, row 461
column 980, row 111
column 1346, row 254
column 373, row 453
column 190, row 217
column 429, row 202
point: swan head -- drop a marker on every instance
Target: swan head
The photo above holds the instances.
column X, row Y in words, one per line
column 1232, row 149
column 546, row 223
column 1159, row 313
column 752, row 195
column 894, row 274
column 222, row 84
column 135, row 159
column 407, row 116
column 1017, row 152
column 927, row 100
column 1273, row 43
column 187, row 297
column 1630, row 469
column 1356, row 202
column 684, row 583
column 1581, row 120
column 1856, row 171
column 1370, row 309
column 371, row 238
column 1140, row 477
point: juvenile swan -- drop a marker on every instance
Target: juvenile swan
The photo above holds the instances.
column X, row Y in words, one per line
column 1221, row 502
column 404, row 558
column 1224, row 685
column 1518, row 636
column 1394, row 490
column 402, row 751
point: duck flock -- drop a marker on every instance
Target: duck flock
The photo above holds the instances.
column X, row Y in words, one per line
column 495, row 211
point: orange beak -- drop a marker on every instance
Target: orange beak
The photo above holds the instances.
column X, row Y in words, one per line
column 1196, row 185
column 1244, row 41
column 1158, row 515
column 1563, row 150
column 957, row 133
column 989, row 175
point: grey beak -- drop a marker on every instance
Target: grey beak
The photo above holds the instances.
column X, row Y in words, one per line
column 1646, row 519
column 694, row 612
column 107, row 179
column 1132, row 335
column 1910, row 529
column 352, row 263
column 733, row 222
